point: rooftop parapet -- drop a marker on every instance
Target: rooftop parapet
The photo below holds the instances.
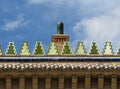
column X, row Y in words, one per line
column 66, row 50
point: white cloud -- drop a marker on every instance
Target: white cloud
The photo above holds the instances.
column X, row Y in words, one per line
column 75, row 9
column 68, row 1
column 47, row 1
column 100, row 29
column 77, row 3
column 12, row 25
column 38, row 1
column 97, row 20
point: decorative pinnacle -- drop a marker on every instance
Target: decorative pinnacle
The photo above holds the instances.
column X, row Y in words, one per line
column 60, row 28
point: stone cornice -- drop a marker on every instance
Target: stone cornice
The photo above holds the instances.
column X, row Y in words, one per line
column 75, row 67
column 59, row 58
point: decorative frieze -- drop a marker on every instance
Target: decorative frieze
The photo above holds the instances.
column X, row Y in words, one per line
column 16, row 67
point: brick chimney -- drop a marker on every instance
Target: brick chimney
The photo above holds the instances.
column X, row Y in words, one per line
column 60, row 37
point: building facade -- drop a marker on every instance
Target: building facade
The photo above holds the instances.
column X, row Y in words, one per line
column 61, row 71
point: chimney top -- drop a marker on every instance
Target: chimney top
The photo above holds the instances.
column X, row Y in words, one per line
column 60, row 28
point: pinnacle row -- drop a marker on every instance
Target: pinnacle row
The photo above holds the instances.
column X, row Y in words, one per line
column 53, row 49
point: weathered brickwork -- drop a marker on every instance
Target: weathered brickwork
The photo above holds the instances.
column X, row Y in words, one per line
column 61, row 82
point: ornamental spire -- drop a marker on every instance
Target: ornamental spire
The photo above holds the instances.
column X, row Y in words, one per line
column 60, row 28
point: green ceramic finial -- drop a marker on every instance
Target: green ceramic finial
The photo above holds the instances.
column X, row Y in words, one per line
column 60, row 28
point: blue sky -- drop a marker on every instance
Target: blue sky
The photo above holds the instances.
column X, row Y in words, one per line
column 35, row 20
